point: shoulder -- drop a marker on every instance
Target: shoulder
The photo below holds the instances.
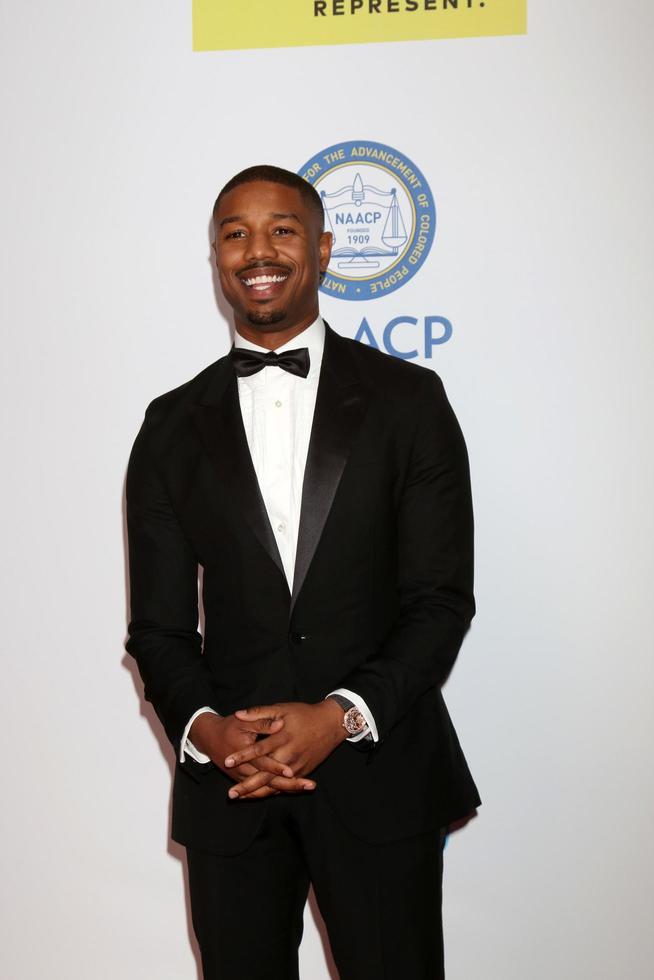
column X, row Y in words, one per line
column 171, row 403
column 393, row 375
column 168, row 416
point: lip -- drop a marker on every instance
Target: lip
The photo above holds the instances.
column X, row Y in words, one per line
column 264, row 282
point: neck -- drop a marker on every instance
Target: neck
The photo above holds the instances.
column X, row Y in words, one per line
column 275, row 335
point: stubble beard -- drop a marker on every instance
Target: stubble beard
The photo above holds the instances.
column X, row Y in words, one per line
column 267, row 318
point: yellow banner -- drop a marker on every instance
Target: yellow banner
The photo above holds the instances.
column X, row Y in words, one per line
column 220, row 25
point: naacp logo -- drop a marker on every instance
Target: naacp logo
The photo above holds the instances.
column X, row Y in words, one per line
column 381, row 212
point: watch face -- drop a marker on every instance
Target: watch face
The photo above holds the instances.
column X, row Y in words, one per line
column 354, row 721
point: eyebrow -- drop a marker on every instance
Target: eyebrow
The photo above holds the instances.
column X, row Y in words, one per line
column 277, row 216
column 232, row 219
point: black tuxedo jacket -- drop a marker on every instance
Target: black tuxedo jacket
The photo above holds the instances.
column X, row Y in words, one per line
column 382, row 594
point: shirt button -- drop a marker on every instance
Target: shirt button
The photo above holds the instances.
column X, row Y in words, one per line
column 278, row 403
column 281, row 527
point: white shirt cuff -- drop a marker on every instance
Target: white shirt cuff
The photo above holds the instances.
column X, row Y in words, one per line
column 186, row 746
column 358, row 702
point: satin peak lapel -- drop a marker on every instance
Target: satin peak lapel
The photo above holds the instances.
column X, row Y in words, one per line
column 220, row 422
column 341, row 404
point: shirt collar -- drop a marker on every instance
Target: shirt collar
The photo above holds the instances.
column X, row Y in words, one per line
column 312, row 337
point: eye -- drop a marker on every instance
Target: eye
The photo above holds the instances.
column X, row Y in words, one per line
column 235, row 234
column 284, row 231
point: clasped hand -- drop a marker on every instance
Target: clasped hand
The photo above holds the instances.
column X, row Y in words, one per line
column 298, row 738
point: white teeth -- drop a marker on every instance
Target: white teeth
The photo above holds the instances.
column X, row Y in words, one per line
column 264, row 280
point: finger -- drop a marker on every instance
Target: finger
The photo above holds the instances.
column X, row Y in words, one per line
column 283, row 784
column 261, row 726
column 265, row 746
column 280, row 784
column 269, row 790
column 277, row 785
column 248, row 786
column 267, row 764
column 258, row 712
column 244, row 771
column 297, row 785
column 261, row 793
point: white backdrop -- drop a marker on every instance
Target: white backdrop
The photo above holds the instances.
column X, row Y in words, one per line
column 538, row 150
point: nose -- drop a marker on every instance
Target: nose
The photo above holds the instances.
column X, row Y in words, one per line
column 260, row 246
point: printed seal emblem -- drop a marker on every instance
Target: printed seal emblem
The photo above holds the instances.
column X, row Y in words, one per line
column 381, row 212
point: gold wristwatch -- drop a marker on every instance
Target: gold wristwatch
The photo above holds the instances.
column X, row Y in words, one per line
column 354, row 721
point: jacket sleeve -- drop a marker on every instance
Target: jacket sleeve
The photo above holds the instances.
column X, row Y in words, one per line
column 435, row 568
column 163, row 628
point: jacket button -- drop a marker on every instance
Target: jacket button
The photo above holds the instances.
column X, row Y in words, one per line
column 297, row 638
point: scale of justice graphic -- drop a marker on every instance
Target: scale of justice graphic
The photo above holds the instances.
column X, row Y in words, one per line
column 367, row 226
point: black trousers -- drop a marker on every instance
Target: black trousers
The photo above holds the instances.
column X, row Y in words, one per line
column 381, row 903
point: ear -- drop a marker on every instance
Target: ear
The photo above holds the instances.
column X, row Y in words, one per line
column 325, row 248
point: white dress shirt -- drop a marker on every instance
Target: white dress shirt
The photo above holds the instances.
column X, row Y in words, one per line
column 277, row 409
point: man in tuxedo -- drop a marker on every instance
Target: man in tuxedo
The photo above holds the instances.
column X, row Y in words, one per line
column 323, row 489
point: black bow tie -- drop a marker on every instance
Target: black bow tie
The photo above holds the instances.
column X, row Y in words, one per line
column 247, row 362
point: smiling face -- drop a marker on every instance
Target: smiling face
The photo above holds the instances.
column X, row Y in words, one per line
column 270, row 250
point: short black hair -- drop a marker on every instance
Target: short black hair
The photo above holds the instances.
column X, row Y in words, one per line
column 275, row 175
